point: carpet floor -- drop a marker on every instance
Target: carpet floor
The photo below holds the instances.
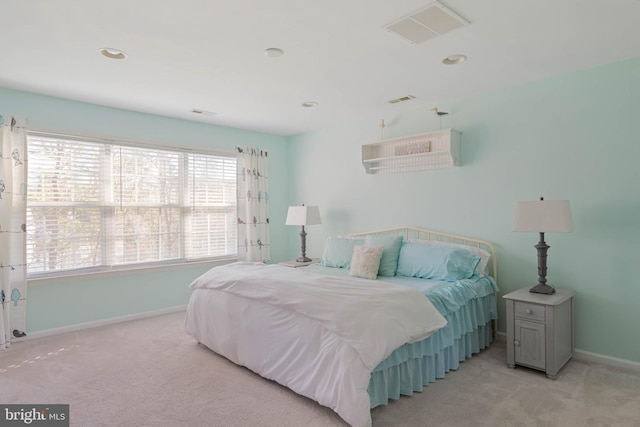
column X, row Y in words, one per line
column 149, row 372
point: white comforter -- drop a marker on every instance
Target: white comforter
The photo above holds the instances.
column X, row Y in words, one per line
column 319, row 335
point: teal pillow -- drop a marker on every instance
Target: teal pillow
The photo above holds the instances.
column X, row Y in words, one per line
column 338, row 251
column 390, row 253
column 436, row 262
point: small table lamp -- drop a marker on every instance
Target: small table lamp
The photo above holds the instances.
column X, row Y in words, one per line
column 543, row 216
column 303, row 215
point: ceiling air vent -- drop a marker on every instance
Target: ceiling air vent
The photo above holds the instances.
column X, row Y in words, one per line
column 404, row 98
column 426, row 23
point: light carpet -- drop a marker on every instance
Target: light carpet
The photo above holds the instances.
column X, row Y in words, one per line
column 149, row 372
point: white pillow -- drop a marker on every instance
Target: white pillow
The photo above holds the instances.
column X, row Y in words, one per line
column 366, row 261
column 482, row 269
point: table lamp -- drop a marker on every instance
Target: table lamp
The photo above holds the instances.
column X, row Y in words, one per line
column 303, row 215
column 542, row 216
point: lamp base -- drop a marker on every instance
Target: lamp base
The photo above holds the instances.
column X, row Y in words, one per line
column 542, row 288
column 303, row 259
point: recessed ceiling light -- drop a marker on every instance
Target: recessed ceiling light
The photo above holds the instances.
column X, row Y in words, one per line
column 273, row 52
column 454, row 59
column 310, row 104
column 112, row 53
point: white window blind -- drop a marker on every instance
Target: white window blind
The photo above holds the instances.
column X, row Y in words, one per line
column 211, row 213
column 98, row 205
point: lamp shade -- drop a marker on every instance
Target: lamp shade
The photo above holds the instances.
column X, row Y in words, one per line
column 543, row 216
column 303, row 215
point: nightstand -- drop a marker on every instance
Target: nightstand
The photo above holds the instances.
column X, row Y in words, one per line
column 539, row 330
column 296, row 264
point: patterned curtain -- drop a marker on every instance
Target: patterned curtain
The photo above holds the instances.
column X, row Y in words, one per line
column 13, row 208
column 253, row 205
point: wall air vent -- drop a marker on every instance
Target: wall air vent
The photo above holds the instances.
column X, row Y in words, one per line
column 426, row 23
column 402, row 99
column 203, row 112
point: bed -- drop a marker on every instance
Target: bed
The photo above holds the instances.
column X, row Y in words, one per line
column 349, row 332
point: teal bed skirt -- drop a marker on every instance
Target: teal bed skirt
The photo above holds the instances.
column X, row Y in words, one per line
column 411, row 367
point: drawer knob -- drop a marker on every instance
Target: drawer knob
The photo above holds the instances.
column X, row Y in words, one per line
column 528, row 311
column 516, row 343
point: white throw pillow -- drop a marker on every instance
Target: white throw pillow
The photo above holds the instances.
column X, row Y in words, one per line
column 366, row 261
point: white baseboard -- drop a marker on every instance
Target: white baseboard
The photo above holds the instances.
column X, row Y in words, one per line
column 104, row 322
column 587, row 356
column 582, row 355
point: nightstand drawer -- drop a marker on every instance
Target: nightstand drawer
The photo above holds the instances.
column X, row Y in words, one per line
column 529, row 311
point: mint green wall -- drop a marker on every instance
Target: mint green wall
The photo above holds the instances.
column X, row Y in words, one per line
column 74, row 301
column 69, row 302
column 571, row 137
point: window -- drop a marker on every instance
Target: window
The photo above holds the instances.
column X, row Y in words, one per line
column 96, row 205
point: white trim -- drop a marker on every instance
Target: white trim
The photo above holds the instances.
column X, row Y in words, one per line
column 581, row 355
column 104, row 322
column 587, row 356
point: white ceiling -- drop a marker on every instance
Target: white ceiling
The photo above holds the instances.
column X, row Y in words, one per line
column 209, row 54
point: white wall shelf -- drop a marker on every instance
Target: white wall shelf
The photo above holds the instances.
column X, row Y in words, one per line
column 432, row 150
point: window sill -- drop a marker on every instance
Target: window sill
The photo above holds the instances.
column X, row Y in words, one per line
column 124, row 271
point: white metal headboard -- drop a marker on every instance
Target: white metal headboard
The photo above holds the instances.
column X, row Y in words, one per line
column 410, row 233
